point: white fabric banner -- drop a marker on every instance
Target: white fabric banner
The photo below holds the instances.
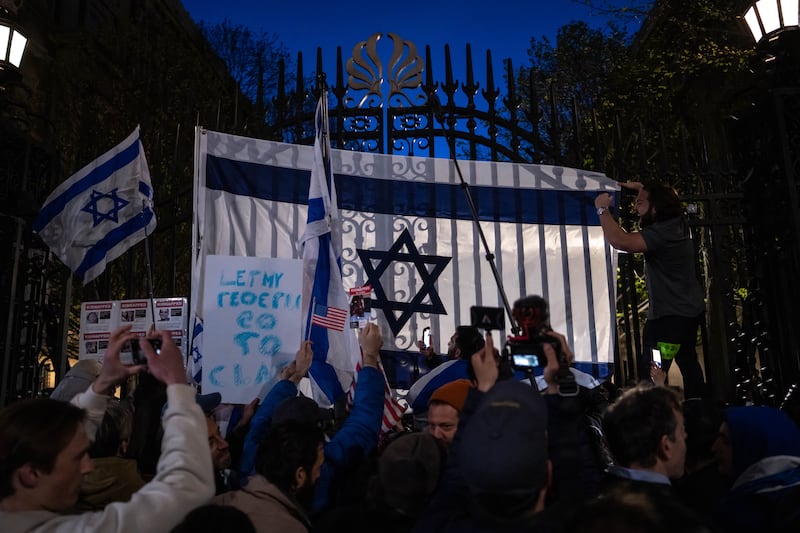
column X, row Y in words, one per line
column 407, row 230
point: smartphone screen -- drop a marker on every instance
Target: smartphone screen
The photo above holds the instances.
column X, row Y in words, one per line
column 657, row 356
column 426, row 337
column 526, row 360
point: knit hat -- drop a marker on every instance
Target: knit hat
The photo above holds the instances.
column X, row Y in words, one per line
column 409, row 470
column 503, row 447
column 453, row 393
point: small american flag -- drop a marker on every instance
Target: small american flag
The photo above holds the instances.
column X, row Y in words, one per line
column 329, row 317
column 392, row 409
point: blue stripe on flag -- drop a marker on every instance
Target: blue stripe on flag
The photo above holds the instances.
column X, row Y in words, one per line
column 99, row 251
column 406, row 198
column 316, row 209
column 145, row 189
column 267, row 182
column 197, row 356
column 97, row 175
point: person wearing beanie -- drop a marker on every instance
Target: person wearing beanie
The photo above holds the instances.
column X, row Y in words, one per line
column 444, row 408
column 465, row 341
column 498, row 471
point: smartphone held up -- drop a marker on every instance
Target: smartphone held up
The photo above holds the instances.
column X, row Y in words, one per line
column 137, row 353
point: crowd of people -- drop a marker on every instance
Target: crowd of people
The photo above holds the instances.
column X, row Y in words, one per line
column 485, row 446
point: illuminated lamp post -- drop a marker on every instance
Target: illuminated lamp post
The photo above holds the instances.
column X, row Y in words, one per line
column 766, row 18
column 12, row 48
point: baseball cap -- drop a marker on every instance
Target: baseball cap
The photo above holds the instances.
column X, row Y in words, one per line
column 207, row 402
column 409, row 470
column 503, row 447
column 301, row 409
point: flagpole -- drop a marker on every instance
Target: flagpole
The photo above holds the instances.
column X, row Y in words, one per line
column 149, row 267
column 310, row 325
column 326, row 156
column 321, row 125
column 436, row 106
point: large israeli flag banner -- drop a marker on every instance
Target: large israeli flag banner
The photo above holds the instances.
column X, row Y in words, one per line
column 101, row 211
column 408, row 232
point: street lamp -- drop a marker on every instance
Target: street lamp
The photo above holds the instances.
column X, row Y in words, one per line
column 12, row 48
column 12, row 42
column 767, row 17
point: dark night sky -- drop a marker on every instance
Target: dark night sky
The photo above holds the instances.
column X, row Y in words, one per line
column 504, row 27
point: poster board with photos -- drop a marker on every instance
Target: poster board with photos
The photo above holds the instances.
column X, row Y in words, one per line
column 99, row 319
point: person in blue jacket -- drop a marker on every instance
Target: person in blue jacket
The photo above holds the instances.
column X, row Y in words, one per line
column 352, row 442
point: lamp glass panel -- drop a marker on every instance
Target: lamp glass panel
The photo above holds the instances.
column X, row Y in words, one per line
column 752, row 22
column 768, row 10
column 18, row 43
column 789, row 10
column 4, row 34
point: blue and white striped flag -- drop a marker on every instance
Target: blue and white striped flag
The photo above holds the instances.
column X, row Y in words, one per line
column 101, row 211
column 401, row 218
column 194, row 363
column 336, row 350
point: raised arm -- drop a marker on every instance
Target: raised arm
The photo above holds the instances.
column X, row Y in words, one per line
column 286, row 388
column 184, row 475
column 112, row 373
column 614, row 234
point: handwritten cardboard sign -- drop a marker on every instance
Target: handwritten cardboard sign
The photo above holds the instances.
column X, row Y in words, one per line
column 251, row 323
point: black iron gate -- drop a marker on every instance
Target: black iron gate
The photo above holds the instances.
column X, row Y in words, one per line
column 396, row 105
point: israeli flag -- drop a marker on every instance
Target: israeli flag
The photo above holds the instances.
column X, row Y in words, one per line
column 194, row 363
column 406, row 229
column 101, row 211
column 336, row 351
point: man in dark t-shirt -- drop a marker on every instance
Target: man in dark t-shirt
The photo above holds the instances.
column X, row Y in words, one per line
column 676, row 298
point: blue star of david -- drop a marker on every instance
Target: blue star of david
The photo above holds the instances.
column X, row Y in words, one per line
column 196, row 355
column 416, row 305
column 112, row 214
